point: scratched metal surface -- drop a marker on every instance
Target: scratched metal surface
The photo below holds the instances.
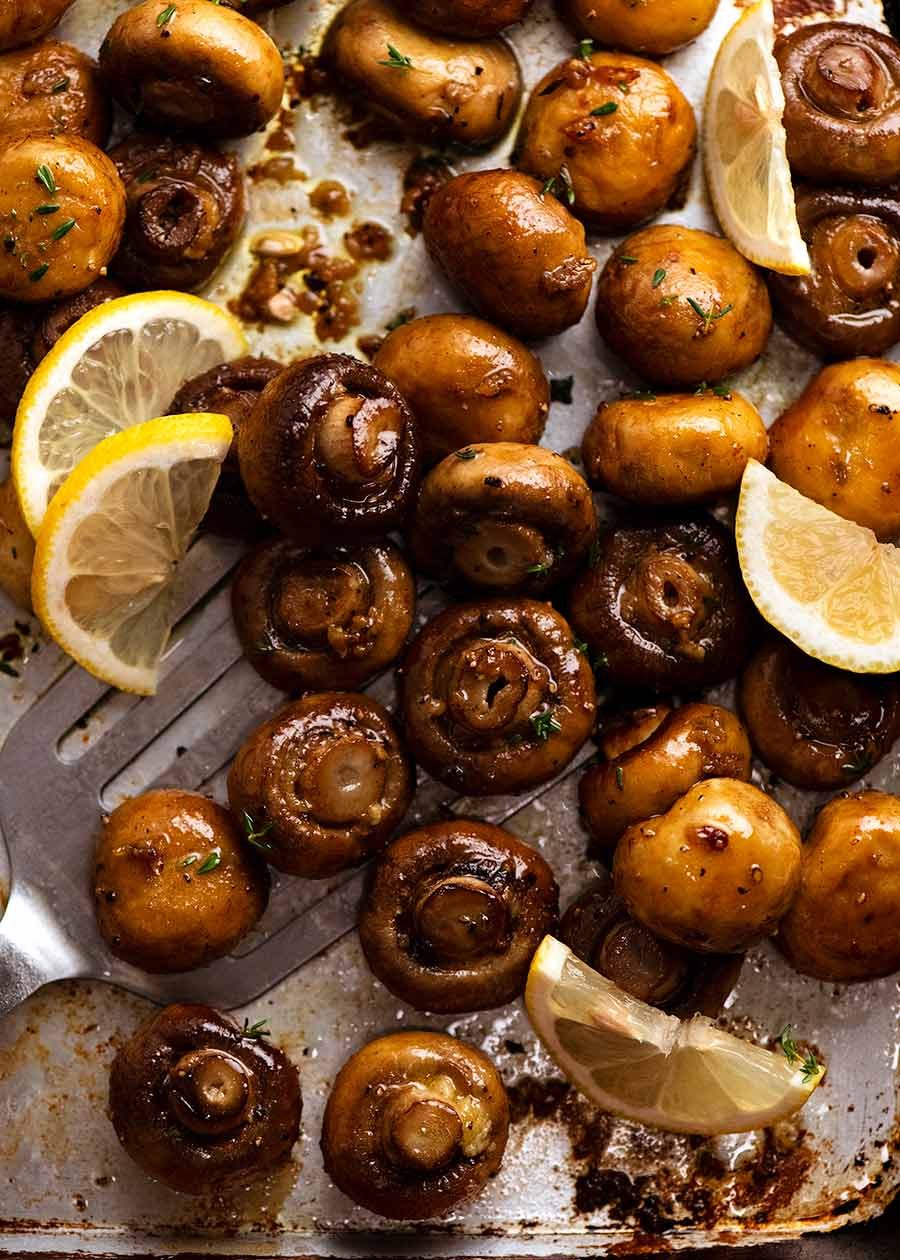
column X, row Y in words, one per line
column 64, row 1184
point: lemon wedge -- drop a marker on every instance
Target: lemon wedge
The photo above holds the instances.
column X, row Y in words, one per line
column 109, row 549
column 687, row 1076
column 120, row 364
column 746, row 163
column 826, row 583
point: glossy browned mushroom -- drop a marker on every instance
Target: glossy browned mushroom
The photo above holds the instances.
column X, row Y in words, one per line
column 233, row 390
column 330, row 452
column 309, row 619
column 663, row 605
column 815, row 726
column 186, row 208
column 59, row 318
column 842, row 102
column 416, row 1123
column 504, row 516
column 465, row 382
column 470, row 19
column 850, row 302
column 193, row 68
column 17, row 362
column 23, row 21
column 454, row 914
column 322, row 785
column 200, row 1105
column 598, row 928
column 53, row 87
column 495, row 696
column 175, row 883
column 16, row 548
column 621, row 130
column 656, row 29
column 697, row 741
column 843, row 923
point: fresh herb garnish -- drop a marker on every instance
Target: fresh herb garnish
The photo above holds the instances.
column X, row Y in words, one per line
column 709, row 316
column 259, row 1029
column 809, row 1064
column 44, row 176
column 190, row 859
column 255, row 834
column 167, row 14
column 561, row 389
column 627, row 259
column 585, row 48
column 6, row 668
column 666, row 301
column 620, row 778
column 210, row 862
column 39, row 273
column 396, row 59
column 658, row 276
column 608, row 107
column 581, row 646
column 859, row 765
column 561, row 186
column 468, row 453
column 63, row 230
column 543, row 724
column 60, row 85
column 49, row 207
column 642, row 395
column 544, row 567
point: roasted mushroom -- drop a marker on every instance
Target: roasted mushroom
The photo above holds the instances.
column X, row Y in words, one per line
column 663, row 604
column 415, row 1124
column 716, row 872
column 175, row 883
column 200, row 1105
column 434, row 87
column 655, row 29
column 842, row 102
column 185, row 211
column 673, row 450
column 514, row 252
column 682, row 306
column 469, row 19
column 59, row 318
column 837, row 443
column 53, row 87
column 615, row 135
column 454, row 914
column 849, row 304
column 330, row 452
column 504, row 516
column 465, row 382
column 17, row 328
column 844, row 922
column 16, row 548
column 309, row 619
column 495, row 696
column 23, row 21
column 322, row 785
column 697, row 741
column 62, row 209
column 598, row 928
column 193, row 68
column 815, row 726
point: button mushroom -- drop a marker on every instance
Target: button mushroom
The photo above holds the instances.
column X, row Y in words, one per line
column 663, row 605
column 53, row 87
column 322, row 785
column 193, row 68
column 504, row 516
column 200, row 1105
column 514, row 252
column 837, row 443
column 844, row 922
column 59, row 318
column 23, row 21
column 465, row 382
column 682, row 306
column 656, row 29
column 495, row 696
column 454, row 914
column 469, row 19
column 415, row 1125
column 621, row 130
column 675, row 449
column 697, row 741
column 62, row 209
column 330, row 451
column 815, row 726
column 434, row 87
column 842, row 102
column 175, row 884
column 16, row 548
column 186, row 208
column 716, row 872
column 311, row 618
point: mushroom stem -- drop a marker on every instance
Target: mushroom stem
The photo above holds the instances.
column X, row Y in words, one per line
column 461, row 919
column 845, row 79
column 312, row 601
column 495, row 685
column 422, row 1133
column 502, row 553
column 358, row 437
column 209, row 1091
column 344, row 777
column 667, row 592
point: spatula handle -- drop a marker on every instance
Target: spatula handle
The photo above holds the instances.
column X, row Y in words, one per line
column 33, row 951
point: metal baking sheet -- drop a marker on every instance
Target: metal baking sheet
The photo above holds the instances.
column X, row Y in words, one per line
column 575, row 1181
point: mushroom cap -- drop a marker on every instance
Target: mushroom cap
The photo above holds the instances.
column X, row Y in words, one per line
column 660, row 29
column 53, row 87
column 24, row 21
column 59, row 318
column 469, row 19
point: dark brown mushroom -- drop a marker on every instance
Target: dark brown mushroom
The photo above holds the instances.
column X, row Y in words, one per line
column 454, row 914
column 17, row 362
column 842, row 102
column 53, row 87
column 322, row 785
column 663, row 604
column 309, row 619
column 504, row 516
column 416, row 1123
column 469, row 19
column 60, row 317
column 330, row 452
column 23, row 21
column 495, row 696
column 200, row 1105
column 813, row 725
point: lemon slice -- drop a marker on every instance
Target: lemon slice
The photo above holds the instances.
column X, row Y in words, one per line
column 746, row 162
column 632, row 1059
column 109, row 549
column 824, row 582
column 121, row 364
